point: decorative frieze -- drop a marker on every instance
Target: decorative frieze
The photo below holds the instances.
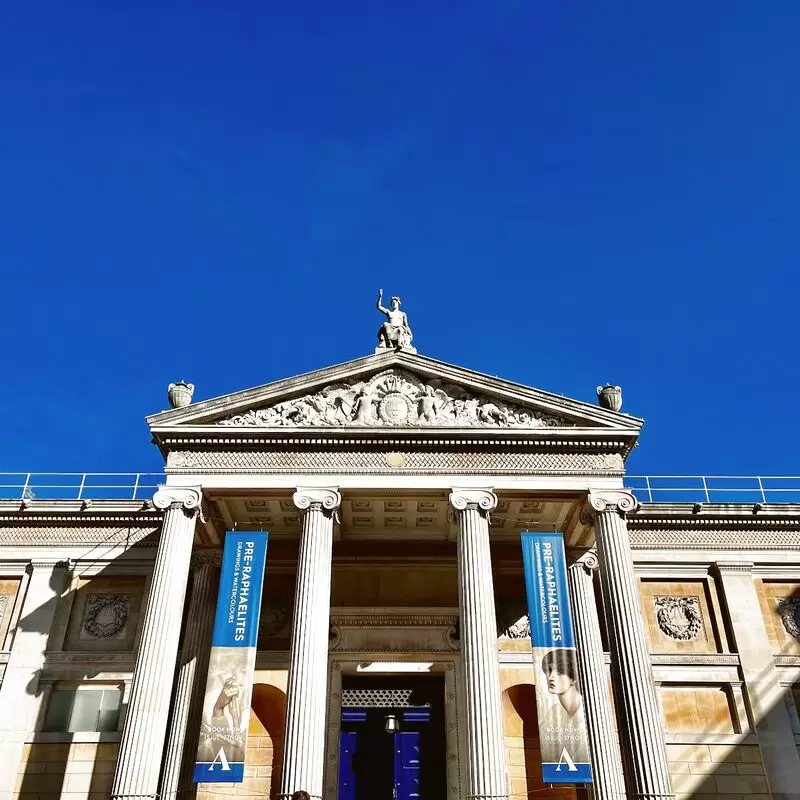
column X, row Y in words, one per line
column 720, row 538
column 347, row 459
column 392, row 398
column 679, row 618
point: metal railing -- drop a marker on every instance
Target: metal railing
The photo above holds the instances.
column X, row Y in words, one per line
column 715, row 488
column 79, row 485
column 647, row 488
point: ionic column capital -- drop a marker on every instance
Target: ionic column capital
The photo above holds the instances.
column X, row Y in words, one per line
column 315, row 498
column 187, row 498
column 619, row 501
column 484, row 500
column 588, row 562
column 201, row 558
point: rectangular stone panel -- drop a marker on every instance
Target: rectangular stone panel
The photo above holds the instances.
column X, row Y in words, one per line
column 8, row 595
column 780, row 607
column 105, row 613
column 679, row 616
column 698, row 710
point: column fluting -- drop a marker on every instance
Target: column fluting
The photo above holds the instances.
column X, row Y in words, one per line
column 487, row 776
column 638, row 714
column 176, row 780
column 144, row 732
column 609, row 783
column 306, row 697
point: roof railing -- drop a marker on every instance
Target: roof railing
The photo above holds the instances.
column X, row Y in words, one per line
column 647, row 488
column 79, row 485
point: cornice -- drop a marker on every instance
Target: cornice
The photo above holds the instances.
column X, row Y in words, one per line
column 69, row 511
column 691, row 515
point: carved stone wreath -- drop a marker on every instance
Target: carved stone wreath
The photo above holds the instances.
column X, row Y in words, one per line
column 395, row 397
column 789, row 611
column 106, row 614
column 513, row 621
column 679, row 617
column 274, row 618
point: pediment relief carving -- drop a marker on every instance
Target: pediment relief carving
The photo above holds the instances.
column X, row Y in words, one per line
column 396, row 397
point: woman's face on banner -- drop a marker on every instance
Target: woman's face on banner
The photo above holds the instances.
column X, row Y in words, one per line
column 557, row 682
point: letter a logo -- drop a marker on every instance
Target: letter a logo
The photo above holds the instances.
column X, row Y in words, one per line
column 226, row 767
column 570, row 763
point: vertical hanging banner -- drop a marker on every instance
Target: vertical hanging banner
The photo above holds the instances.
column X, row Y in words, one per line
column 559, row 702
column 229, row 686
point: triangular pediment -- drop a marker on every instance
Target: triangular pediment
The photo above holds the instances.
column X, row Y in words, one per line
column 393, row 390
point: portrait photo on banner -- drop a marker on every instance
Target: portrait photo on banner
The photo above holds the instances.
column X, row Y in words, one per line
column 559, row 703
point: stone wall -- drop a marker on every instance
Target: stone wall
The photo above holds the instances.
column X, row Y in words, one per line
column 66, row 771
column 718, row 771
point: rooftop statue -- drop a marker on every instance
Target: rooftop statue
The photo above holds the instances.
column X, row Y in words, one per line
column 394, row 334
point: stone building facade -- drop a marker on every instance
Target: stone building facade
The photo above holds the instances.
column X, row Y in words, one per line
column 394, row 488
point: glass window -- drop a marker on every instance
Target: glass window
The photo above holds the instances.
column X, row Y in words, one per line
column 83, row 708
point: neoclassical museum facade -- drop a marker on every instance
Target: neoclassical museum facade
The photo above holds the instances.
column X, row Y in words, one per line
column 394, row 489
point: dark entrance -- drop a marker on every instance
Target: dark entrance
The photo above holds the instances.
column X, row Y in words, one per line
column 392, row 741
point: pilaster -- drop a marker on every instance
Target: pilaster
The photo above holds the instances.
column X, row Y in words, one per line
column 19, row 693
column 145, row 728
column 762, row 684
column 638, row 713
column 487, row 776
column 609, row 782
column 306, row 697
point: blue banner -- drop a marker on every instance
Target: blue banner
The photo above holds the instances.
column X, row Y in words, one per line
column 559, row 702
column 229, row 686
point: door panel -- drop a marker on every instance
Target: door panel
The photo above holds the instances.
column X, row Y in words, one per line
column 407, row 764
column 347, row 780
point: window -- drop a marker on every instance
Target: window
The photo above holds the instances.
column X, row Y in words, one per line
column 83, row 708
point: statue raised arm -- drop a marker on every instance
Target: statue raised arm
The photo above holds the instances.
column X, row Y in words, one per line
column 378, row 304
column 395, row 333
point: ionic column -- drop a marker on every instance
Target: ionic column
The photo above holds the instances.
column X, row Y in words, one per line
column 306, row 697
column 643, row 750
column 487, row 776
column 144, row 733
column 609, row 783
column 181, row 752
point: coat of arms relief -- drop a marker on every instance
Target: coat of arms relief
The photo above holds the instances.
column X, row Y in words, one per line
column 395, row 397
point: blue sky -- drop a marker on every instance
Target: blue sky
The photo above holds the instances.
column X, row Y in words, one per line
column 563, row 194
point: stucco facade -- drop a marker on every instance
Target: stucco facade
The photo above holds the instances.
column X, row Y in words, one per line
column 394, row 488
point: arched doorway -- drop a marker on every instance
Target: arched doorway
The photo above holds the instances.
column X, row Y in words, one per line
column 264, row 755
column 521, row 724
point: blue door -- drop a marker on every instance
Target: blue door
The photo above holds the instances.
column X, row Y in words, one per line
column 347, row 779
column 407, row 764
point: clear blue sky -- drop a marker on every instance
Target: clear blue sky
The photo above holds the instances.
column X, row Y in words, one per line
column 563, row 193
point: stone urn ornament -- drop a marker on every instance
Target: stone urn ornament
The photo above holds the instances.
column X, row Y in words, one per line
column 180, row 394
column 610, row 397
